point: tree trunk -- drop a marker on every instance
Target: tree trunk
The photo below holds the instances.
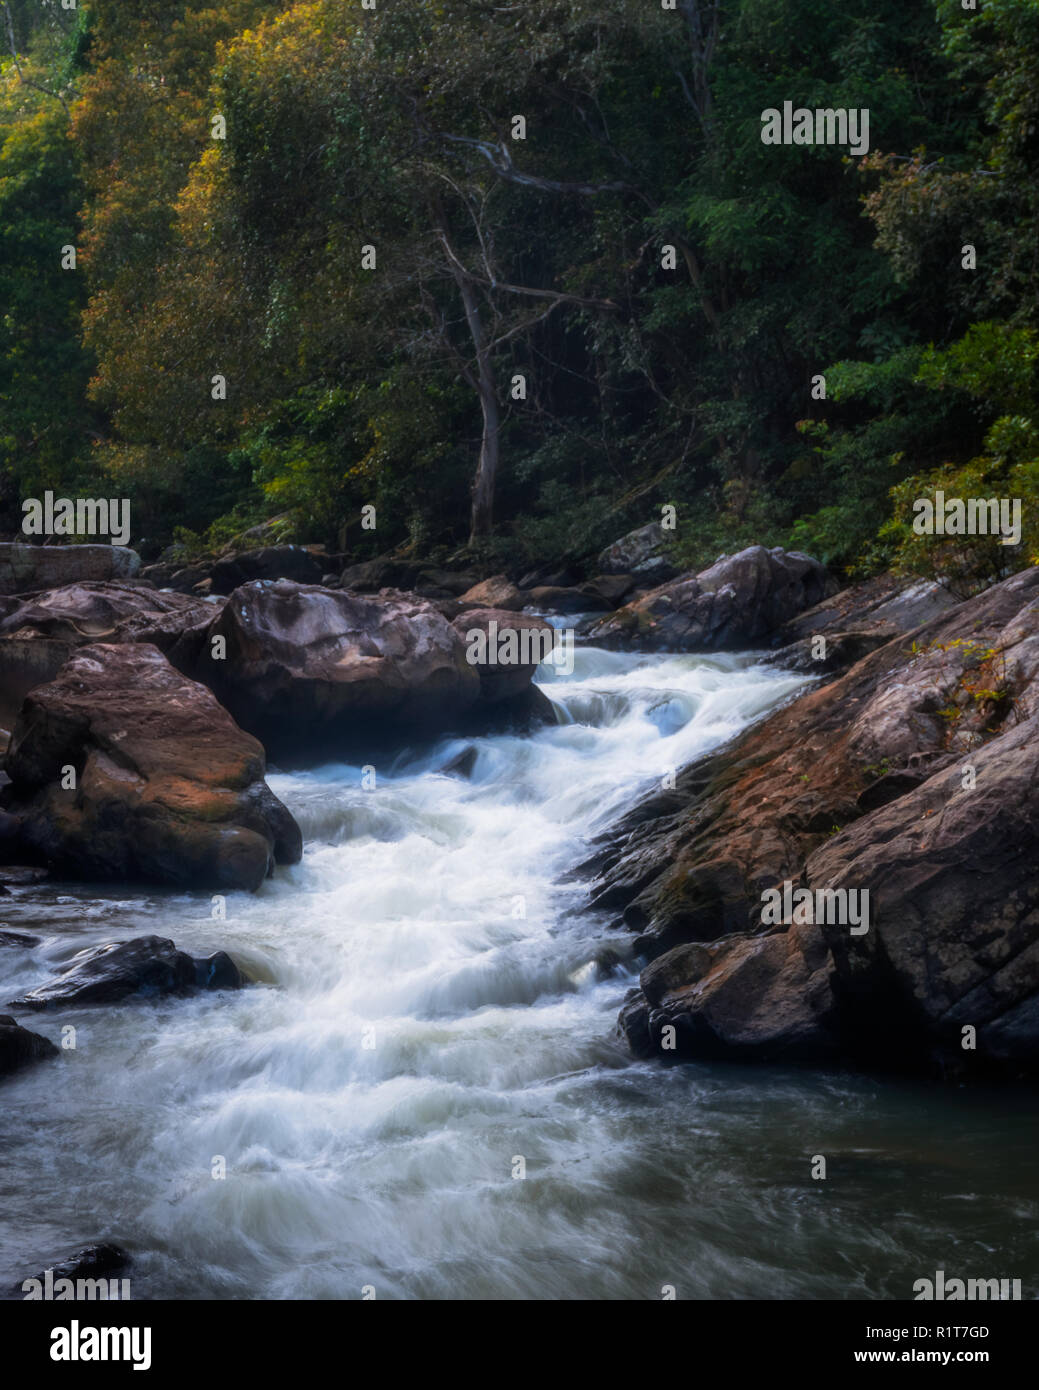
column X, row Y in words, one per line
column 482, row 519
column 482, row 515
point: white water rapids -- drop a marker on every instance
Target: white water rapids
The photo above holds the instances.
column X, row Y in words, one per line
column 427, row 1013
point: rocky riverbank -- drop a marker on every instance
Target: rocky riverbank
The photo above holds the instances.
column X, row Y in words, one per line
column 914, row 776
column 142, row 717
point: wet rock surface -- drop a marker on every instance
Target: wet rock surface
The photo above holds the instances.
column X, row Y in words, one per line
column 122, row 768
column 146, row 967
column 39, row 634
column 912, row 777
column 315, row 671
column 20, row 1048
column 738, row 602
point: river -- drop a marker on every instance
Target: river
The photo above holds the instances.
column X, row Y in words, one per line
column 429, row 1022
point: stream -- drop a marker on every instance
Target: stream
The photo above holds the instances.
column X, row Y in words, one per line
column 429, row 1020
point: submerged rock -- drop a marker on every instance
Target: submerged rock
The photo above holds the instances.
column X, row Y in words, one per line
column 124, row 769
column 147, row 966
column 19, row 1048
column 462, row 764
column 101, row 1261
column 18, row 939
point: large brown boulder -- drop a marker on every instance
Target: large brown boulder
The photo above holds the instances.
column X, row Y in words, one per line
column 913, row 777
column 739, row 601
column 513, row 645
column 558, row 600
column 24, row 569
column 122, row 768
column 39, row 634
column 496, row 592
column 497, row 659
column 317, row 672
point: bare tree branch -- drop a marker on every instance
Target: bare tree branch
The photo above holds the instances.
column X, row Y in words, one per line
column 500, row 160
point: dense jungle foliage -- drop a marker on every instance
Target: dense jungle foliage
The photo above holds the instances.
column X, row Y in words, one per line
column 319, row 263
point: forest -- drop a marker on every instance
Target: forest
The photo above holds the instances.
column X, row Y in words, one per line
column 514, row 277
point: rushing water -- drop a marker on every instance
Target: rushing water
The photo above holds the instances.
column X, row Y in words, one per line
column 429, row 1012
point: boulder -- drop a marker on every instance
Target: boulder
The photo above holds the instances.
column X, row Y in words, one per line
column 19, row 941
column 497, row 592
column 101, row 1261
column 954, row 906
column 315, row 671
column 855, row 622
column 551, row 577
column 502, row 679
column 737, row 602
column 436, row 583
column 19, row 1047
column 761, row 998
column 886, row 604
column 175, row 575
column 272, row 562
column 641, row 554
column 39, row 634
column 556, row 600
column 24, row 569
column 913, row 777
column 385, row 572
column 146, row 967
column 167, row 788
column 609, row 589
